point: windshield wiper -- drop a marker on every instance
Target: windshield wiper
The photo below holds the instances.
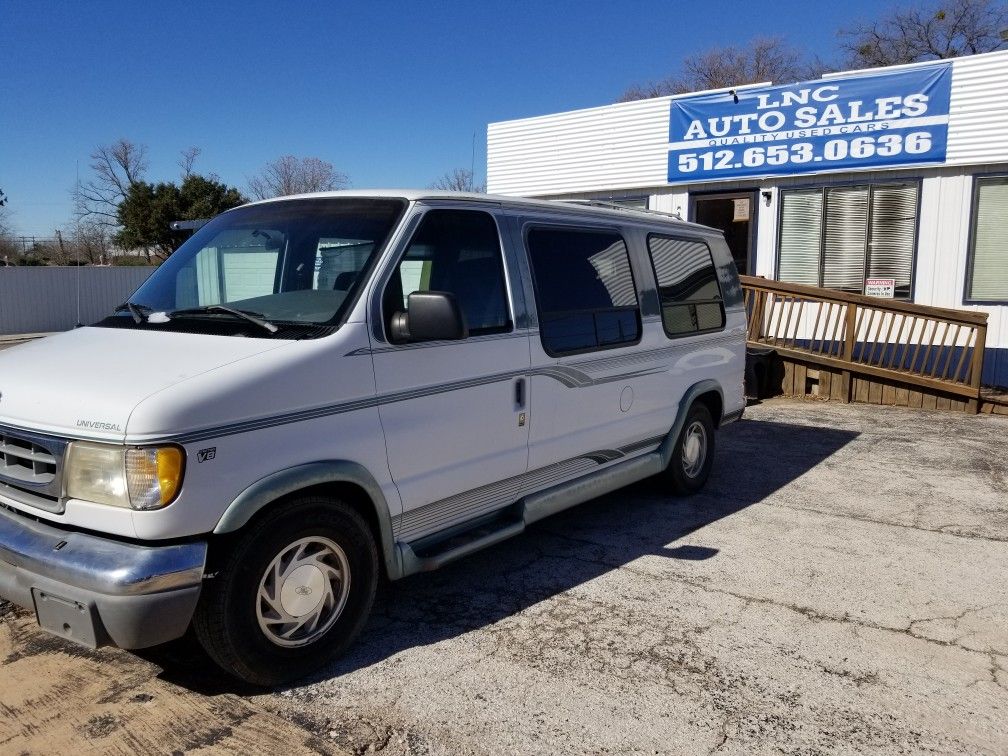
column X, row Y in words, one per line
column 138, row 311
column 251, row 317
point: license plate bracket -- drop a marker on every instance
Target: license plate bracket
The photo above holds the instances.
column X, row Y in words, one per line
column 67, row 618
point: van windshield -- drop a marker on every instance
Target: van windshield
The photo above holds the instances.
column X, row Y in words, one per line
column 291, row 263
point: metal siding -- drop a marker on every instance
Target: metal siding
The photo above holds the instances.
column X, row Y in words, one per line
column 44, row 299
column 625, row 146
column 978, row 112
column 612, row 147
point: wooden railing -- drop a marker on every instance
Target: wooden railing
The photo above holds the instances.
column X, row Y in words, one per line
column 932, row 347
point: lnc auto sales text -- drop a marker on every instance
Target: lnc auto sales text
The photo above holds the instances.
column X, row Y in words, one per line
column 833, row 114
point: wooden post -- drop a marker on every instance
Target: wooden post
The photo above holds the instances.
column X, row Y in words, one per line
column 756, row 327
column 850, row 335
column 976, row 367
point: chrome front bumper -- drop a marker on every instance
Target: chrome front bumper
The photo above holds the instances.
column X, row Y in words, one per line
column 98, row 591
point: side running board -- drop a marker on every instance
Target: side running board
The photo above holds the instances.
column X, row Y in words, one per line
column 423, row 555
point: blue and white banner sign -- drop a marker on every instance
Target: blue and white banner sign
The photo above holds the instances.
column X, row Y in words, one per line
column 834, row 124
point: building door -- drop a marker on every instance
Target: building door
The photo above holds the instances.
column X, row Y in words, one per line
column 735, row 214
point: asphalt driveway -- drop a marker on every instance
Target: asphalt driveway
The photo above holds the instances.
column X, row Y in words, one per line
column 839, row 587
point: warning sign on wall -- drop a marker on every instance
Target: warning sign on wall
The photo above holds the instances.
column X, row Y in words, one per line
column 880, row 287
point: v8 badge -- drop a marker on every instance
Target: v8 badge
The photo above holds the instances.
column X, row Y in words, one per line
column 206, row 455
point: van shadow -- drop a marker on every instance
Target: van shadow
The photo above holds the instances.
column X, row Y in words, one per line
column 754, row 459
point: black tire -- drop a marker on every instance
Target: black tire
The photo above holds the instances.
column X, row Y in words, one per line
column 684, row 474
column 227, row 620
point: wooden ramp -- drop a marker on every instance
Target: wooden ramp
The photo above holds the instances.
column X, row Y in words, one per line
column 804, row 340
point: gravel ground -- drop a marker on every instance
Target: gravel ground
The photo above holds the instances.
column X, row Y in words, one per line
column 839, row 587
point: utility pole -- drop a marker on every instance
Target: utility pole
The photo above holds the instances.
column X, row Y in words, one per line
column 77, row 244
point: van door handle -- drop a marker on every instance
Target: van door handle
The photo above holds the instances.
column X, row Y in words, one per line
column 520, row 392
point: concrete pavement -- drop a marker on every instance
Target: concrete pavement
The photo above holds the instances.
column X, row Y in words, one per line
column 839, row 587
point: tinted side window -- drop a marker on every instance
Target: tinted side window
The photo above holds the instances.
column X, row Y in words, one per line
column 456, row 251
column 584, row 290
column 687, row 286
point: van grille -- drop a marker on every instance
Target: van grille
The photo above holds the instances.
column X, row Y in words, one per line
column 24, row 460
column 30, row 469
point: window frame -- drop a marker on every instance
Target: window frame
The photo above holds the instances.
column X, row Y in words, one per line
column 717, row 280
column 918, row 181
column 976, row 180
column 412, row 227
column 590, row 229
column 743, row 192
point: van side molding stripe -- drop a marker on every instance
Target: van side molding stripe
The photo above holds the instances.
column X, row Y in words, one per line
column 572, row 375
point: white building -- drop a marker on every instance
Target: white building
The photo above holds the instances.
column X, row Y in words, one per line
column 890, row 181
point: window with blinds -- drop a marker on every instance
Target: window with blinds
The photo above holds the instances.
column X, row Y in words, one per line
column 987, row 277
column 801, row 236
column 837, row 237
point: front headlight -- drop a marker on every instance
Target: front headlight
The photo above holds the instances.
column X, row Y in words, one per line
column 140, row 478
column 96, row 472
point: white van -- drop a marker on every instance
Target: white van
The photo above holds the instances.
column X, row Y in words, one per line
column 315, row 392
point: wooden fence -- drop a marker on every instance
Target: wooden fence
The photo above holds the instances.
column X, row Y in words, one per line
column 870, row 349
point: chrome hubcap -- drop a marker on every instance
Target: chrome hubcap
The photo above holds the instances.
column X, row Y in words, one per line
column 303, row 591
column 694, row 449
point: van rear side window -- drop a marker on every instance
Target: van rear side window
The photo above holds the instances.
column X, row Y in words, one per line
column 584, row 290
column 687, row 286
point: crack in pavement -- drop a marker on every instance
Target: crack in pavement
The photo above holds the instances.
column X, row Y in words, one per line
column 575, row 636
column 889, row 523
column 809, row 613
column 996, row 667
column 956, row 618
column 721, row 736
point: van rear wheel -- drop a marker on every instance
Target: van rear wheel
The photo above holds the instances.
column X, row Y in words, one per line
column 291, row 594
column 693, row 454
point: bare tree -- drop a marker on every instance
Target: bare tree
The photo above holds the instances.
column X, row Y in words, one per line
column 86, row 242
column 291, row 175
column 761, row 59
column 187, row 159
column 9, row 250
column 458, row 180
column 4, row 228
column 8, row 246
column 117, row 167
column 936, row 31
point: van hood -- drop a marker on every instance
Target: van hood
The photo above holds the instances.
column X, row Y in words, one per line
column 85, row 383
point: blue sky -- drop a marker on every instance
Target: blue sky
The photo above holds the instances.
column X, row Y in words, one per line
column 390, row 93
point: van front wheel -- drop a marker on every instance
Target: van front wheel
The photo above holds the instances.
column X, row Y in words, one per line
column 291, row 594
column 693, row 454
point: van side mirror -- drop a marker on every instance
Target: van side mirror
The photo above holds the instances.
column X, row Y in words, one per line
column 430, row 316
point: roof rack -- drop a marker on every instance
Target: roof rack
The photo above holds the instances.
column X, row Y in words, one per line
column 618, row 206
